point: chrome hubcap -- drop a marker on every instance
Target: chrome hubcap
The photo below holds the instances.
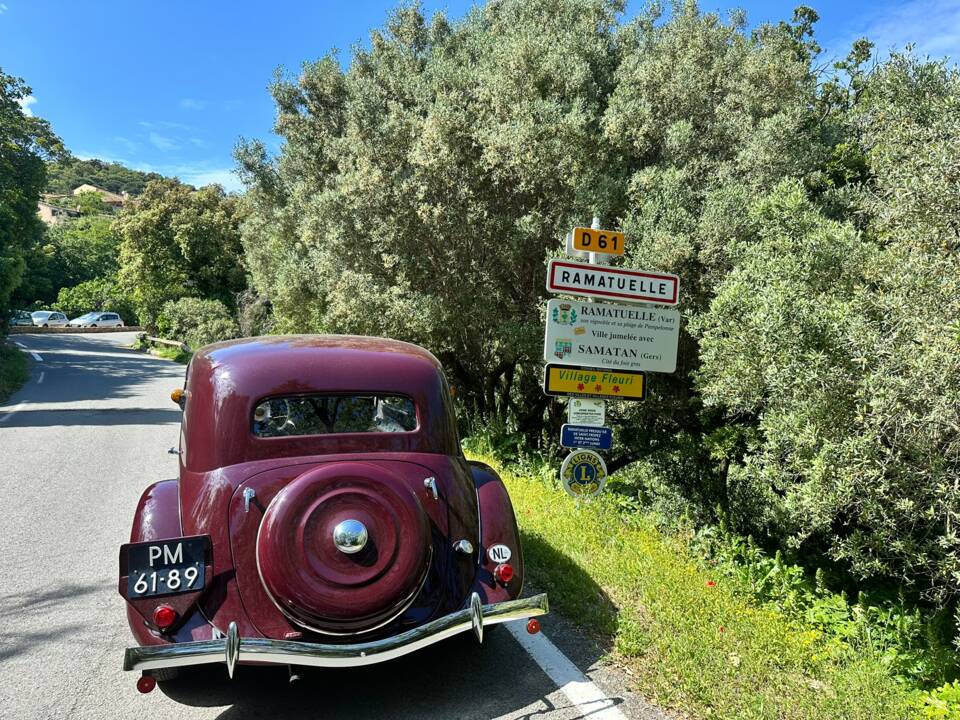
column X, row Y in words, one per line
column 350, row 536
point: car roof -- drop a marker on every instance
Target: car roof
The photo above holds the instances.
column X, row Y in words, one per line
column 226, row 379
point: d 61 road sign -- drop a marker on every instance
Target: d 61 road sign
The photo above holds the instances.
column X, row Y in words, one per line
column 609, row 242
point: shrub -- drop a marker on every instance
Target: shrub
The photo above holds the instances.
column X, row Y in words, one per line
column 96, row 294
column 196, row 322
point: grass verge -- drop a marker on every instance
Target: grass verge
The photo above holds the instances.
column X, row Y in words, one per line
column 170, row 353
column 13, row 369
column 692, row 641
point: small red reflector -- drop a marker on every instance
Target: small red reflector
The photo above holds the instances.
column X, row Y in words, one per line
column 503, row 573
column 164, row 616
column 533, row 626
column 146, row 683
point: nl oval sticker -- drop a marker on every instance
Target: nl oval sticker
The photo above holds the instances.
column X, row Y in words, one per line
column 499, row 553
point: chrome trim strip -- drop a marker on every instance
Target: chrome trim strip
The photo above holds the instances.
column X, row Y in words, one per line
column 292, row 652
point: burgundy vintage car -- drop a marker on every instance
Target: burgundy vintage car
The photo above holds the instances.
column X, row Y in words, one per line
column 324, row 515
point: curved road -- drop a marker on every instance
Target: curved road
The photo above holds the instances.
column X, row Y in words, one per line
column 79, row 442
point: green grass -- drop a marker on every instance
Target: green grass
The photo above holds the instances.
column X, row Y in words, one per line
column 706, row 650
column 13, row 369
column 170, row 353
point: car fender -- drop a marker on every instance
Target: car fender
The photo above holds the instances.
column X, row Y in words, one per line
column 498, row 526
column 157, row 518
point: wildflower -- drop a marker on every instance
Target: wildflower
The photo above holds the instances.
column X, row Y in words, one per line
column 711, row 583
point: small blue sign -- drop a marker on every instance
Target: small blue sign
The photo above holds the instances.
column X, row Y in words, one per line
column 586, row 436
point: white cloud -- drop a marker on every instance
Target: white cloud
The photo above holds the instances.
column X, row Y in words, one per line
column 932, row 26
column 3, row 8
column 191, row 104
column 25, row 103
column 162, row 142
column 198, row 178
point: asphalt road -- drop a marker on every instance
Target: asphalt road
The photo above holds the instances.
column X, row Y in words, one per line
column 78, row 443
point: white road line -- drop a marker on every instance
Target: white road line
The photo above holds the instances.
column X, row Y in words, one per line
column 36, row 356
column 40, row 379
column 19, row 344
column 578, row 688
column 12, row 411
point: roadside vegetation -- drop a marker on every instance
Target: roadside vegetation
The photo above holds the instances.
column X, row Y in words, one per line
column 730, row 634
column 13, row 369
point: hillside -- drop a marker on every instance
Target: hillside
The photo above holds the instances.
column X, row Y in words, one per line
column 63, row 177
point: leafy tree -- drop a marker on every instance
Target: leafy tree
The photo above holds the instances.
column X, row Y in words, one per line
column 843, row 349
column 196, row 322
column 101, row 293
column 812, row 219
column 67, row 254
column 419, row 192
column 180, row 242
column 24, row 144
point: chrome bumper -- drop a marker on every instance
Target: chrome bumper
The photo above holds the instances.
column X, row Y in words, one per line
column 233, row 649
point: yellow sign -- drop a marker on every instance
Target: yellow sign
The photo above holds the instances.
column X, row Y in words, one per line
column 577, row 381
column 609, row 242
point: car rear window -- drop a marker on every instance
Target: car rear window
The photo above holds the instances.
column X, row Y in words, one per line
column 325, row 414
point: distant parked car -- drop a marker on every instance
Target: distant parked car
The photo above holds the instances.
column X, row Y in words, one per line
column 20, row 318
column 48, row 318
column 97, row 319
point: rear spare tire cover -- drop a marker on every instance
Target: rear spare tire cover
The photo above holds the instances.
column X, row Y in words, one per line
column 323, row 588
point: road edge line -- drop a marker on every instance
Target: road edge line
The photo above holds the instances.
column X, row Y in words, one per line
column 577, row 687
column 12, row 411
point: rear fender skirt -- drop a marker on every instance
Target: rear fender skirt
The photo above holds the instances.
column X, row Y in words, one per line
column 498, row 526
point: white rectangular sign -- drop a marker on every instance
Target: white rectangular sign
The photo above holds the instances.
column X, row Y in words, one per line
column 604, row 335
column 585, row 411
column 575, row 278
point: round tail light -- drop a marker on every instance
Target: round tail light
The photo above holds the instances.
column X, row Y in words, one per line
column 164, row 616
column 146, row 683
column 533, row 626
column 503, row 573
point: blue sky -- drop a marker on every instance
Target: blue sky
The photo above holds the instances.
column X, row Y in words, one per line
column 171, row 86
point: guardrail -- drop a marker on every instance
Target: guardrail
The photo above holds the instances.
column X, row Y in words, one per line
column 27, row 329
column 163, row 341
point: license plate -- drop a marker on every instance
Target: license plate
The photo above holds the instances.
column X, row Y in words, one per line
column 166, row 567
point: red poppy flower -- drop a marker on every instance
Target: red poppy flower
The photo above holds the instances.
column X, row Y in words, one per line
column 711, row 583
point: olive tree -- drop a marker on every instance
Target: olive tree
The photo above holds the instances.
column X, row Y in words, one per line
column 419, row 191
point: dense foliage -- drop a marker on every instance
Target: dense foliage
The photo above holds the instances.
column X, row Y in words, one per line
column 196, row 322
column 179, row 242
column 100, row 293
column 64, row 176
column 25, row 142
column 812, row 218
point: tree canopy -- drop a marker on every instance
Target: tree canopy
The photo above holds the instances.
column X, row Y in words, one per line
column 179, row 242
column 25, row 143
column 811, row 215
